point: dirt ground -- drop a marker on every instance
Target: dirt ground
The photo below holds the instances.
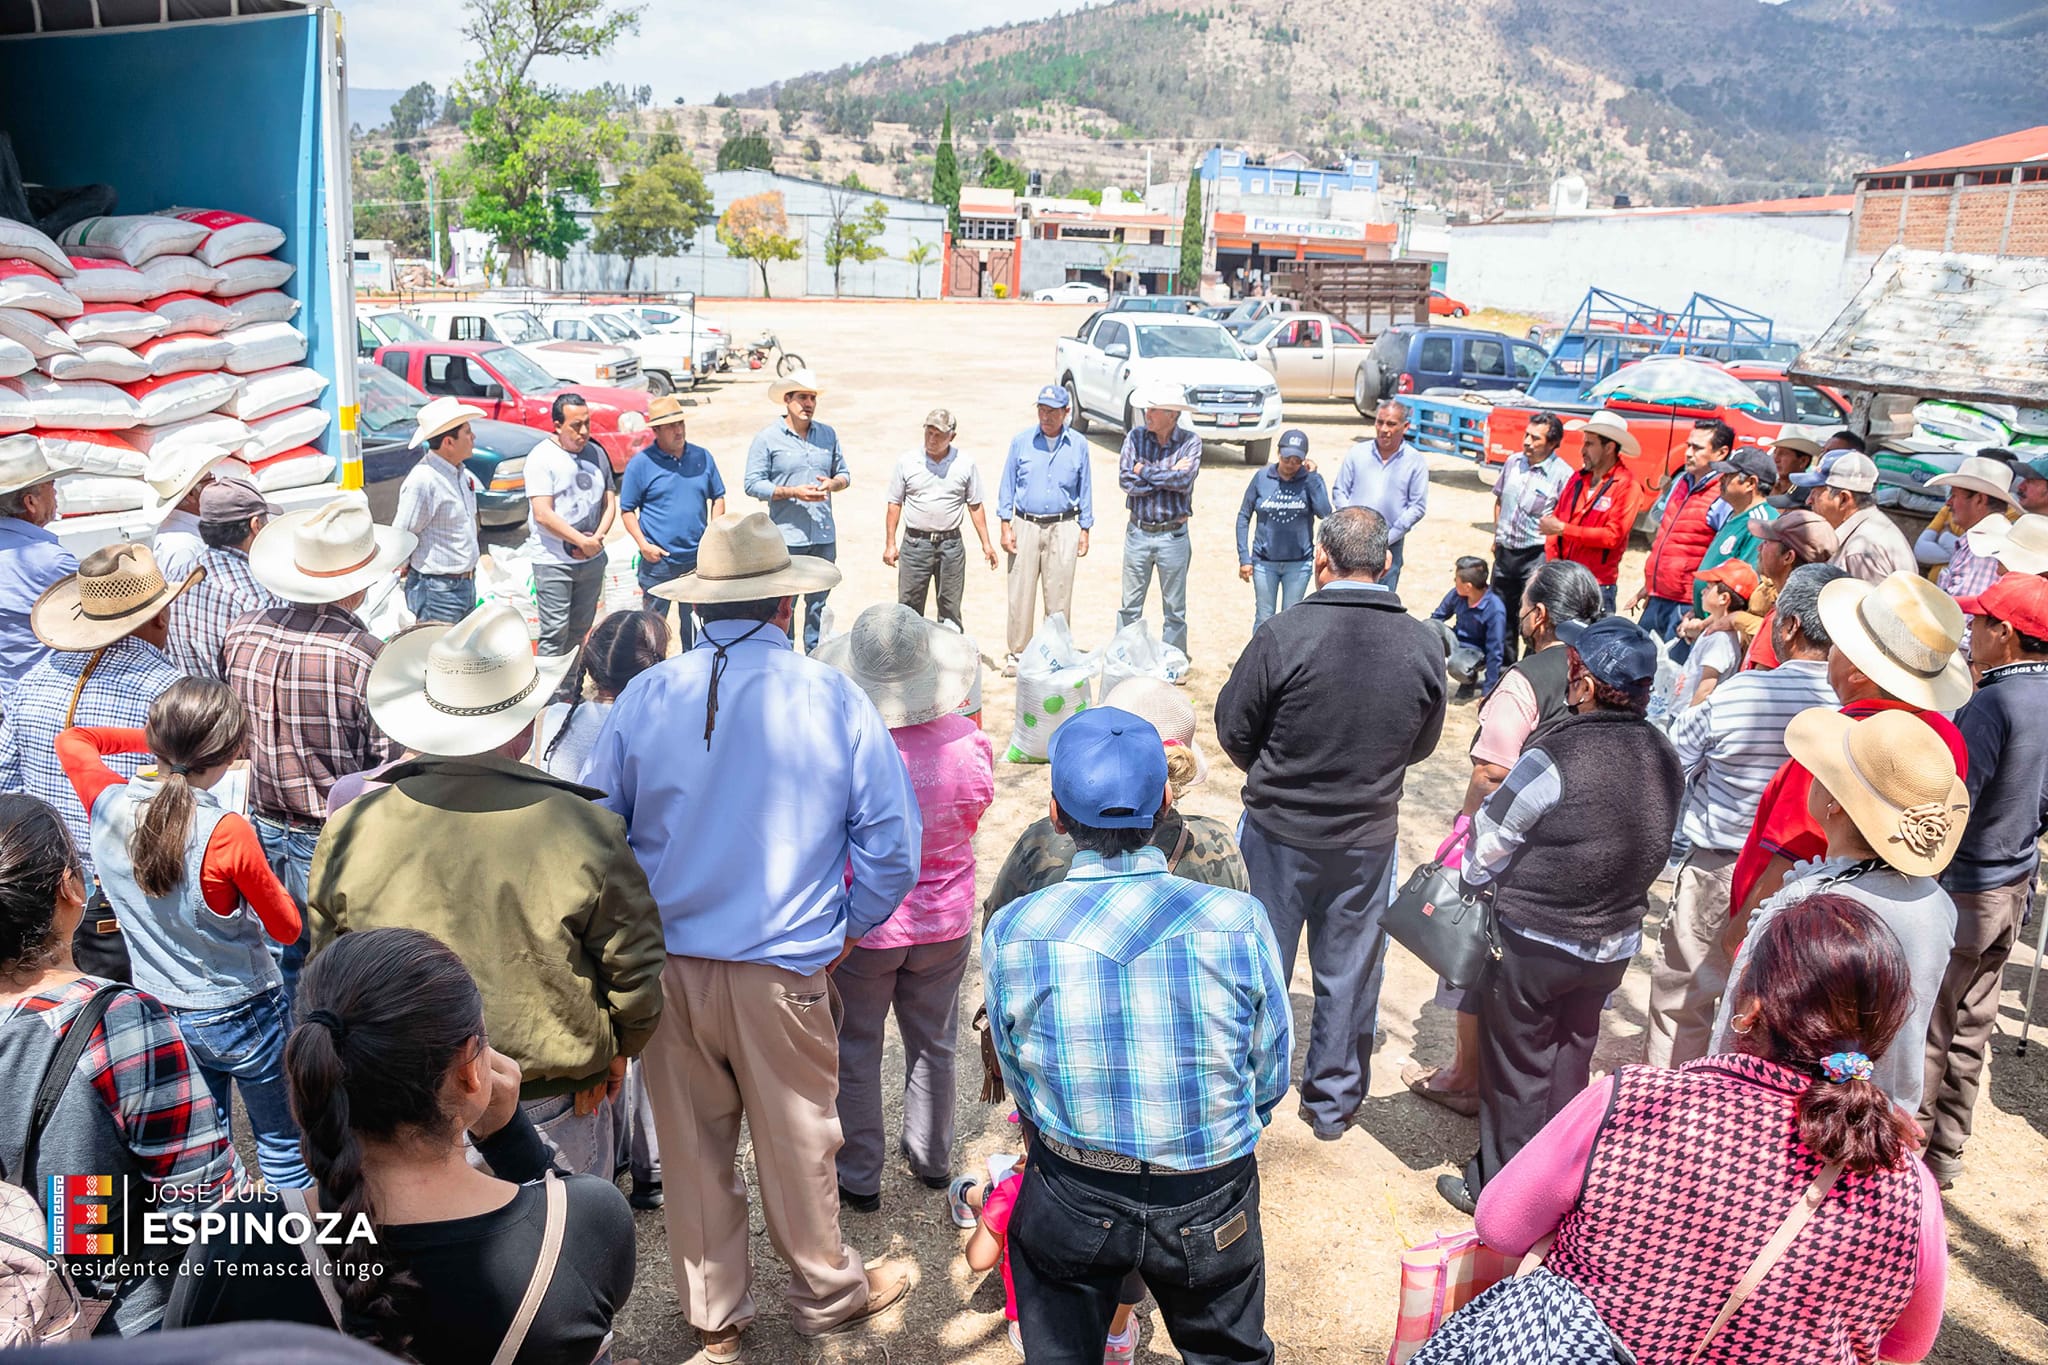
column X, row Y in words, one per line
column 1336, row 1214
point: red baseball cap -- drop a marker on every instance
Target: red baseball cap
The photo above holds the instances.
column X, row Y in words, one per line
column 2018, row 599
column 1735, row 574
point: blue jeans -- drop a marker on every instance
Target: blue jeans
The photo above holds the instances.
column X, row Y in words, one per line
column 289, row 851
column 244, row 1043
column 1166, row 551
column 1395, row 553
column 1661, row 616
column 683, row 623
column 439, row 597
column 1286, row 579
column 814, row 602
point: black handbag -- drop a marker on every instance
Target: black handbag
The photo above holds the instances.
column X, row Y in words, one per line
column 1436, row 920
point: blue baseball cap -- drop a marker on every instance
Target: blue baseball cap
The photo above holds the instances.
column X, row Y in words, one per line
column 2031, row 469
column 1108, row 769
column 1052, row 396
column 1294, row 441
column 1614, row 649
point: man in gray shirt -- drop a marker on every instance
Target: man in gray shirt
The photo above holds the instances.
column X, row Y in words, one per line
column 929, row 493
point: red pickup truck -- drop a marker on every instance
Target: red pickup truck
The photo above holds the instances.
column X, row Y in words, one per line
column 511, row 388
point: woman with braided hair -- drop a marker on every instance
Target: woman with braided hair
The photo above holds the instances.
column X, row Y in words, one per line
column 620, row 648
column 419, row 1252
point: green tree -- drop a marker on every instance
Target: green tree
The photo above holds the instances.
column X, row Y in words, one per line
column 852, row 235
column 946, row 175
column 654, row 212
column 666, row 141
column 756, row 228
column 920, row 255
column 530, row 145
column 854, row 182
column 789, row 109
column 999, row 172
column 414, row 111
column 1115, row 256
column 747, row 152
column 1192, row 231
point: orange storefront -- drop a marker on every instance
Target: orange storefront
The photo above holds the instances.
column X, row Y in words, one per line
column 1257, row 241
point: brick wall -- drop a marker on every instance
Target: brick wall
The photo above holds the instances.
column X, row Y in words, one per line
column 1878, row 225
column 1927, row 221
column 2029, row 235
column 1980, row 218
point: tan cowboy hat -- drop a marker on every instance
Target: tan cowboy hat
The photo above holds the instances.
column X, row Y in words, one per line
column 1166, row 706
column 1803, row 440
column 1609, row 424
column 1894, row 776
column 1155, row 396
column 1978, row 475
column 116, row 589
column 742, row 558
column 799, row 380
column 1905, row 634
column 327, row 553
column 912, row 669
column 666, row 410
column 24, row 464
column 443, row 415
column 181, row 469
column 466, row 688
column 2021, row 546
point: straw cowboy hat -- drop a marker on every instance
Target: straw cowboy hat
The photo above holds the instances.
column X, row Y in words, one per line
column 799, row 380
column 744, row 559
column 443, row 415
column 1166, row 706
column 666, row 410
column 1803, row 440
column 1978, row 475
column 1894, row 777
column 117, row 588
column 24, row 464
column 914, row 670
column 180, row 470
column 1158, row 396
column 327, row 553
column 2021, row 546
column 1904, row 634
column 1610, row 425
column 466, row 688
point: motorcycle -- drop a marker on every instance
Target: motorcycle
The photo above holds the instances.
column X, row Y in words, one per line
column 786, row 362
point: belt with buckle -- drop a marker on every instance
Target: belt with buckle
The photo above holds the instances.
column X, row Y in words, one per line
column 1049, row 521
column 1155, row 527
column 934, row 536
column 1116, row 1161
column 289, row 821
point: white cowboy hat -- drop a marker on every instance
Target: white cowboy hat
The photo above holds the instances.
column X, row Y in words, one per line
column 1905, row 634
column 799, row 380
column 1608, row 424
column 181, row 469
column 1171, row 397
column 444, row 414
column 2021, row 546
column 466, row 688
column 1166, row 706
column 742, row 558
column 1978, row 475
column 912, row 669
column 1803, row 440
column 1894, row 776
column 116, row 589
column 327, row 553
column 24, row 464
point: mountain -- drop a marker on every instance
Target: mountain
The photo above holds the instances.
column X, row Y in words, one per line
column 1671, row 100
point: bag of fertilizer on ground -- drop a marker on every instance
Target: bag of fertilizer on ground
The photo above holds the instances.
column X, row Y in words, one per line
column 1136, row 651
column 1053, row 681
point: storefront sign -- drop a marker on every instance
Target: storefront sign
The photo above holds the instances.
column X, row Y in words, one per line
column 1257, row 225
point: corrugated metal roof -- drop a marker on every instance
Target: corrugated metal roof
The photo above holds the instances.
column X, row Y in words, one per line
column 2008, row 149
column 19, row 18
column 1940, row 324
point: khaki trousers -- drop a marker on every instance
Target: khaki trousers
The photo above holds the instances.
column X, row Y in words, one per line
column 1959, row 1035
column 1045, row 555
column 1691, row 966
column 742, row 1039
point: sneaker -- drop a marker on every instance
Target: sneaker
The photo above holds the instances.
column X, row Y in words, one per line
column 1122, row 1349
column 888, row 1284
column 956, row 1201
column 646, row 1194
column 1456, row 1193
column 723, row 1346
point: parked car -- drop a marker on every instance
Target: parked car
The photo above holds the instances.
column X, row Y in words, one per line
column 710, row 341
column 1154, row 303
column 664, row 359
column 1073, row 291
column 1418, row 359
column 1442, row 305
column 514, row 325
column 511, row 388
column 1233, row 399
column 385, row 326
column 1245, row 312
column 1311, row 355
column 390, row 415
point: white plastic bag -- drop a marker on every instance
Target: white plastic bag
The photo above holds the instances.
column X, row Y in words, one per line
column 43, row 336
column 175, row 397
column 179, row 275
column 94, row 452
column 1136, row 651
column 1053, row 680
column 383, row 612
column 276, row 434
column 80, row 495
column 269, row 391
column 265, row 305
column 124, row 324
column 212, row 429
column 24, row 284
column 133, row 238
column 263, row 346
column 251, row 274
column 185, row 352
column 229, row 236
column 19, row 241
column 192, row 313
column 99, row 360
column 83, row 403
column 106, row 281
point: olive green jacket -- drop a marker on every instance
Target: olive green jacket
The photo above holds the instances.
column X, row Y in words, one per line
column 532, row 885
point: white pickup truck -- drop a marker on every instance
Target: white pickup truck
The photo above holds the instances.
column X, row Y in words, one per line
column 515, row 325
column 665, row 360
column 1114, row 353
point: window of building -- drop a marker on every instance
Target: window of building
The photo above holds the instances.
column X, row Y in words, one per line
column 1941, row 181
column 1885, row 182
column 2030, row 175
column 1083, row 232
column 988, row 229
column 2003, row 177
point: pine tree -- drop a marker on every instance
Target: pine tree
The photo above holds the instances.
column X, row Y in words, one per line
column 946, row 175
column 1191, row 233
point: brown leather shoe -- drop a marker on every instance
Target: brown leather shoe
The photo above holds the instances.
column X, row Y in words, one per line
column 888, row 1284
column 723, row 1346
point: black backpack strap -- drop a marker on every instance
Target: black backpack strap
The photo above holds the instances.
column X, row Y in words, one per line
column 57, row 1076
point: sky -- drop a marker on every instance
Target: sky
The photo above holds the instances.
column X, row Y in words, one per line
column 684, row 47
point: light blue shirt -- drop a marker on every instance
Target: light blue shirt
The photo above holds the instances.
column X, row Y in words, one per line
column 781, row 458
column 746, row 840
column 1397, row 489
column 31, row 561
column 1047, row 478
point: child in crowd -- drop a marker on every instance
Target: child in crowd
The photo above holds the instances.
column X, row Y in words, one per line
column 1717, row 654
column 618, row 649
column 1475, row 628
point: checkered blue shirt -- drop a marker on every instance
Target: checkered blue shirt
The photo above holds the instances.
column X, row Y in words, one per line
column 1140, row 1013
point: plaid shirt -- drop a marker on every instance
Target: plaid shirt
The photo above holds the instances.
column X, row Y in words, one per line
column 303, row 673
column 127, row 680
column 200, row 619
column 1968, row 573
column 1140, row 1013
column 1527, row 494
column 1158, row 477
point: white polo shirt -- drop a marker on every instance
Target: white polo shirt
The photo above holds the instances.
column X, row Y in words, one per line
column 935, row 493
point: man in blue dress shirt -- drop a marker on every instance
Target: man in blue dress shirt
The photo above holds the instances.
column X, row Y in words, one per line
column 1391, row 477
column 795, row 466
column 31, row 559
column 1046, row 503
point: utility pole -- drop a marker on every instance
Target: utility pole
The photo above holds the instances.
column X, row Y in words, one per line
column 434, row 223
column 1407, row 208
column 1148, row 173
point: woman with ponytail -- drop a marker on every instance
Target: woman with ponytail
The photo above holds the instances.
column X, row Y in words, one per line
column 196, row 899
column 428, row 1256
column 620, row 648
column 1664, row 1188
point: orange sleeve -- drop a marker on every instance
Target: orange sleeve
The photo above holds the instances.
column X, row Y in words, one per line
column 235, row 870
column 82, row 752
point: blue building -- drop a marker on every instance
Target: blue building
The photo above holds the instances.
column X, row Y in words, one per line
column 1238, row 172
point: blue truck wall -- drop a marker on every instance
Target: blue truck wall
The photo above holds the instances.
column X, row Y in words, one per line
column 205, row 115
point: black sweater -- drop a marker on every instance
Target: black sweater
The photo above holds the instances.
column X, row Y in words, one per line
column 1327, row 707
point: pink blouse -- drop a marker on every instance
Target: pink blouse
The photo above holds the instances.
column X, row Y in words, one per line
column 952, row 768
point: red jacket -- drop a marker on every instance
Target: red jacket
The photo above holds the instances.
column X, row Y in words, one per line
column 1597, row 522
column 1683, row 538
